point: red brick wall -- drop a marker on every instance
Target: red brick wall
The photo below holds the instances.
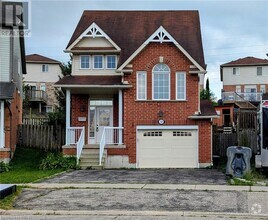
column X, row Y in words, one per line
column 79, row 108
column 13, row 117
column 175, row 112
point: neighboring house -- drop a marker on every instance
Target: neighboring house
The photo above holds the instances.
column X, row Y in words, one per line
column 244, row 81
column 12, row 67
column 42, row 73
column 247, row 77
column 135, row 89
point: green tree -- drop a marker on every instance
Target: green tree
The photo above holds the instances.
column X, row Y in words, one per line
column 207, row 94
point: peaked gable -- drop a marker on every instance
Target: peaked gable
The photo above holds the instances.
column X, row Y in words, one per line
column 247, row 61
column 93, row 31
column 130, row 29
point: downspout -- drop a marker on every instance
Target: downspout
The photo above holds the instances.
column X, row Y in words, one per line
column 10, row 131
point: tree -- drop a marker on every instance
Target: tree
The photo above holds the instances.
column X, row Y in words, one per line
column 66, row 69
column 207, row 94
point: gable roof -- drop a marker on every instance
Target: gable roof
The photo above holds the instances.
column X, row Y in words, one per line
column 130, row 29
column 246, row 61
column 36, row 58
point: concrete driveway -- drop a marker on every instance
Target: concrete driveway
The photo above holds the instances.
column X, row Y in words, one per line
column 148, row 176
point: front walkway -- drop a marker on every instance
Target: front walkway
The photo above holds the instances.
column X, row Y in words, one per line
column 147, row 176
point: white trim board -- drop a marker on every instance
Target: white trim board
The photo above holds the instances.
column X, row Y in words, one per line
column 172, row 127
column 163, row 36
column 94, row 29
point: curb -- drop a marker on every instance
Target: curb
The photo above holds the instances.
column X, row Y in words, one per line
column 131, row 213
column 145, row 186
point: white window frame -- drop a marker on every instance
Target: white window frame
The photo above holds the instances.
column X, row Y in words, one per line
column 153, row 73
column 106, row 61
column 46, row 68
column 137, row 86
column 262, row 89
column 259, row 67
column 236, row 72
column 44, row 87
column 89, row 64
column 93, row 62
column 184, row 74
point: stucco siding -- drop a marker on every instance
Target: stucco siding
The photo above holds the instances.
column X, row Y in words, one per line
column 4, row 59
column 248, row 75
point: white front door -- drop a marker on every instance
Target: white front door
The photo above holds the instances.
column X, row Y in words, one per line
column 104, row 118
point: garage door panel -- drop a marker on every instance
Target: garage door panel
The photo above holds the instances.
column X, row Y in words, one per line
column 171, row 149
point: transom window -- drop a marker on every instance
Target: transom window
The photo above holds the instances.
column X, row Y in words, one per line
column 98, row 62
column 110, row 61
column 84, row 62
column 161, row 82
column 44, row 67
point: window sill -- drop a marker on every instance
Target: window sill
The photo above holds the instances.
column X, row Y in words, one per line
column 161, row 100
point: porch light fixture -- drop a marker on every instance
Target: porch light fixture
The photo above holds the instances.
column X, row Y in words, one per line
column 160, row 114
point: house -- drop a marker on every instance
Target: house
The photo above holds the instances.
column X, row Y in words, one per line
column 245, row 78
column 42, row 73
column 12, row 67
column 133, row 94
column 244, row 81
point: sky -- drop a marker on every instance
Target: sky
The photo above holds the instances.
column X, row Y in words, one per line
column 230, row 29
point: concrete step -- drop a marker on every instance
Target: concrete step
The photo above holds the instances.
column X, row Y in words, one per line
column 91, row 146
column 93, row 161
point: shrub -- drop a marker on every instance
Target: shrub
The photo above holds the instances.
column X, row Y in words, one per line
column 4, row 167
column 57, row 161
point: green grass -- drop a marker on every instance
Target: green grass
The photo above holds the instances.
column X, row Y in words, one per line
column 25, row 167
column 7, row 202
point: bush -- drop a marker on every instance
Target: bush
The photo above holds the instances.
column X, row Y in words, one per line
column 4, row 167
column 58, row 161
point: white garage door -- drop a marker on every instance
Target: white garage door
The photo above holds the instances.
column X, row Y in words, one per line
column 167, row 148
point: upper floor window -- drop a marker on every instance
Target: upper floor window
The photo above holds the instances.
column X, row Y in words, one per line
column 161, row 82
column 98, row 62
column 44, row 67
column 236, row 71
column 141, row 85
column 110, row 61
column 259, row 71
column 84, row 62
column 180, row 85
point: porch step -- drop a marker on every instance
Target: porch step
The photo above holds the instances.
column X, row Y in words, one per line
column 90, row 159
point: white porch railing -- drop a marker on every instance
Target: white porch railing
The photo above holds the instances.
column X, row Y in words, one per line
column 76, row 136
column 110, row 135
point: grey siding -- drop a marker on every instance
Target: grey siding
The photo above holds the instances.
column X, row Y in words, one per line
column 4, row 59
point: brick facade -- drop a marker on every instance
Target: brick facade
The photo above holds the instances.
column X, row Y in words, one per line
column 175, row 112
column 232, row 88
column 13, row 117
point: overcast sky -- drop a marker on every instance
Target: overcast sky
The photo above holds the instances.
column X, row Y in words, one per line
column 230, row 29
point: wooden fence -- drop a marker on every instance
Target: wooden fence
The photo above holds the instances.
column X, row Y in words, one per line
column 46, row 137
column 221, row 141
column 34, row 121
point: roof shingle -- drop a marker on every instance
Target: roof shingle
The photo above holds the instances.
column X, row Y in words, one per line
column 36, row 58
column 130, row 29
column 247, row 61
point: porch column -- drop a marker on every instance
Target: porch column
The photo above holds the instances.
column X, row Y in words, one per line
column 120, row 114
column 2, row 124
column 68, row 113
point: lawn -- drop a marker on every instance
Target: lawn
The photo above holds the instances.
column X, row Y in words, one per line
column 25, row 167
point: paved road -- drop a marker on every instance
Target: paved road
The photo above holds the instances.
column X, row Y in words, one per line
column 143, row 200
column 150, row 176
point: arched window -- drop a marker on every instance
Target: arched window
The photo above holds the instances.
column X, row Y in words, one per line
column 161, row 82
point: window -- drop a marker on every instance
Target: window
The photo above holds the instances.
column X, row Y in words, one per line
column 236, row 71
column 141, row 86
column 182, row 133
column 161, row 82
column 43, row 87
column 152, row 134
column 49, row 109
column 84, row 62
column 181, row 86
column 98, row 62
column 262, row 89
column 45, row 68
column 259, row 71
column 110, row 61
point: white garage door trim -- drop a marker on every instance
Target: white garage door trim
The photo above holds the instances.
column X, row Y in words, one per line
column 179, row 127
